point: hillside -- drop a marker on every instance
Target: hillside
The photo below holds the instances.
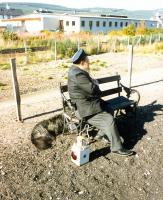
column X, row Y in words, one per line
column 29, row 7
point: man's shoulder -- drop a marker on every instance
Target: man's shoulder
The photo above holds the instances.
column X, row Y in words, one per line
column 75, row 70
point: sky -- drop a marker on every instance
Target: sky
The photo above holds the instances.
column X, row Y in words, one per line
column 120, row 4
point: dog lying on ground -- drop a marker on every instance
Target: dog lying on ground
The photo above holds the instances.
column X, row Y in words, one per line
column 45, row 132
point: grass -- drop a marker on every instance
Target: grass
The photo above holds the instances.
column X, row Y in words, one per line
column 96, row 65
column 2, row 85
column 4, row 66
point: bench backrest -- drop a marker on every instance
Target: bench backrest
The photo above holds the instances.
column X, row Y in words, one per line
column 101, row 81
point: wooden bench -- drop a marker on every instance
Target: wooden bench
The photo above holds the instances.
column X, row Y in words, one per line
column 113, row 94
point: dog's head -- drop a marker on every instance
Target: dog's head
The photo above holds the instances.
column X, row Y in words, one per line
column 41, row 137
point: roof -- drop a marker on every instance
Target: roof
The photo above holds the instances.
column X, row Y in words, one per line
column 105, row 17
column 22, row 19
column 30, row 17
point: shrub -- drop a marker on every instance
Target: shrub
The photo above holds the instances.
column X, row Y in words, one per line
column 6, row 35
column 159, row 46
column 66, row 48
column 130, row 30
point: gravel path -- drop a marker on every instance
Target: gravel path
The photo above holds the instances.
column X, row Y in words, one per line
column 26, row 173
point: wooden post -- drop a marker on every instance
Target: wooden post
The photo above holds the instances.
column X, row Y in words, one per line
column 26, row 52
column 98, row 44
column 130, row 61
column 16, row 88
column 150, row 40
column 128, row 40
column 115, row 42
column 78, row 43
column 55, row 51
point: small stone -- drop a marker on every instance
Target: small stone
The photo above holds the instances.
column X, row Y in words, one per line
column 81, row 192
column 2, row 173
column 149, row 138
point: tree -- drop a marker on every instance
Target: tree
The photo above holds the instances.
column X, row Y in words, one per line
column 129, row 30
column 141, row 30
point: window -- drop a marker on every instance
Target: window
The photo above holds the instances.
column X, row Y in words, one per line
column 73, row 23
column 90, row 24
column 104, row 24
column 67, row 23
column 136, row 24
column 116, row 24
column 97, row 23
column 126, row 24
column 110, row 24
column 121, row 24
column 82, row 23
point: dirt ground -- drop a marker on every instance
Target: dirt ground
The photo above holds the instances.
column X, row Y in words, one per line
column 29, row 174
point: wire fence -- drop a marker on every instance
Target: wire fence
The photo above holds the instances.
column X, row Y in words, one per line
column 53, row 49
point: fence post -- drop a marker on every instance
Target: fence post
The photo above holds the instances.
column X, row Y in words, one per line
column 140, row 41
column 98, row 44
column 55, row 51
column 130, row 61
column 78, row 43
column 150, row 40
column 26, row 52
column 115, row 42
column 16, row 88
column 128, row 40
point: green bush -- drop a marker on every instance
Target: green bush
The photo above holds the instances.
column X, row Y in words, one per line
column 129, row 30
column 66, row 48
column 4, row 66
column 159, row 46
column 6, row 35
column 2, row 85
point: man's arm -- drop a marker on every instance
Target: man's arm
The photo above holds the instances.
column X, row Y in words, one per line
column 84, row 82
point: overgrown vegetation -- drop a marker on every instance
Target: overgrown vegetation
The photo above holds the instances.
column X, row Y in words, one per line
column 60, row 46
column 2, row 85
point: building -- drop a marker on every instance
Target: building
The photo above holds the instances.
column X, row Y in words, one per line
column 33, row 23
column 73, row 23
column 159, row 18
column 103, row 23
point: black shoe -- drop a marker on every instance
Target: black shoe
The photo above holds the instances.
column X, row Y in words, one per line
column 124, row 152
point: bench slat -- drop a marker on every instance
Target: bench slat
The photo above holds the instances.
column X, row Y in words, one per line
column 111, row 91
column 108, row 79
column 64, row 88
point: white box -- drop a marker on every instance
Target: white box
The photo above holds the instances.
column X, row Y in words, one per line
column 80, row 154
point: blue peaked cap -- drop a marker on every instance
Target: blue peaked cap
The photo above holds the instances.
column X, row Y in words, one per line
column 78, row 56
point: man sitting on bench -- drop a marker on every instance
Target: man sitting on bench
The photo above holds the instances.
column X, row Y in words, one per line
column 85, row 94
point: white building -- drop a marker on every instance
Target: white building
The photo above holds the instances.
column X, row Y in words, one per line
column 159, row 18
column 96, row 24
column 33, row 23
column 73, row 23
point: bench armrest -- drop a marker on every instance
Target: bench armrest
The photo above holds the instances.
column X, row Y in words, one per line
column 130, row 91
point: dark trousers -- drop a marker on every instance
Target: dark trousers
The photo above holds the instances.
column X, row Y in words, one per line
column 105, row 122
